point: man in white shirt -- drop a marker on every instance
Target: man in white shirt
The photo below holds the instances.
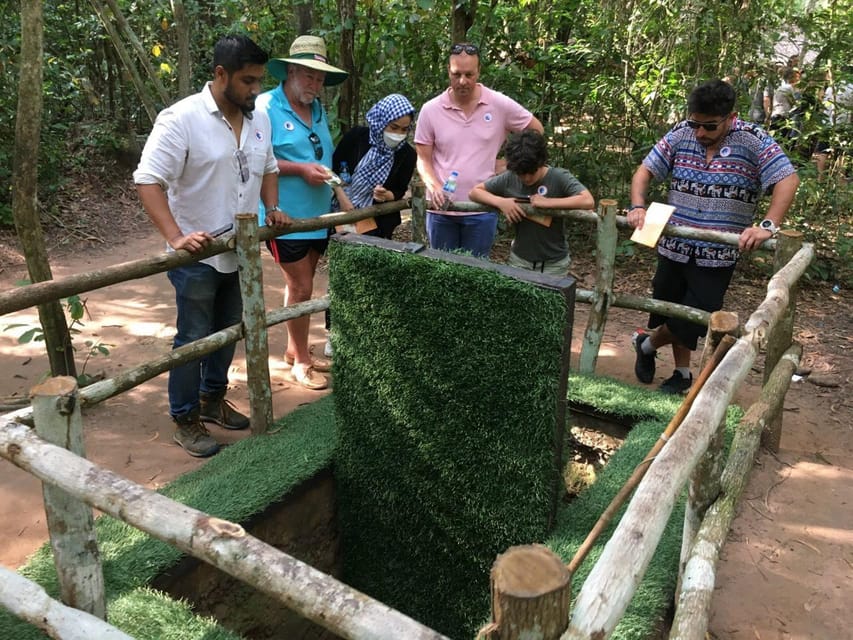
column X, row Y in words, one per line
column 208, row 158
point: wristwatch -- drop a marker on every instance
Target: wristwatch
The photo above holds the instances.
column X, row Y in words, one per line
column 636, row 206
column 273, row 208
column 768, row 225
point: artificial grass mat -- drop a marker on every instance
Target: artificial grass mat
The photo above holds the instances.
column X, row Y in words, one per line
column 239, row 482
column 448, row 388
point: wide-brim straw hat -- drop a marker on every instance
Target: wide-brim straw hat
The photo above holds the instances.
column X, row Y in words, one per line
column 308, row 51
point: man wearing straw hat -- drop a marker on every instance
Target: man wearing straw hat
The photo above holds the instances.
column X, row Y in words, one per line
column 303, row 148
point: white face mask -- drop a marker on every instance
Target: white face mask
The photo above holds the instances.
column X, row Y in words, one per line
column 393, row 140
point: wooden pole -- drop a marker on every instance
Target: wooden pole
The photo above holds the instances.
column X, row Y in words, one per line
column 69, row 521
column 419, row 212
column 531, row 594
column 28, row 601
column 704, row 484
column 321, row 598
column 697, row 591
column 789, row 242
column 602, row 297
column 620, row 498
column 254, row 322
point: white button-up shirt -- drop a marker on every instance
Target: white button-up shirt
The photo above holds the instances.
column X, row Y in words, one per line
column 192, row 154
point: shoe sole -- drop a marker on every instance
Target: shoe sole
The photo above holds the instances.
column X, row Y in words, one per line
column 222, row 424
column 193, row 453
column 309, row 386
column 640, row 354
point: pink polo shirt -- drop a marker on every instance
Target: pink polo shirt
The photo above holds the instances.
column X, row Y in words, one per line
column 470, row 144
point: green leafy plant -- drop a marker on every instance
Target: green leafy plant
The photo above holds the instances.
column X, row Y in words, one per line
column 76, row 310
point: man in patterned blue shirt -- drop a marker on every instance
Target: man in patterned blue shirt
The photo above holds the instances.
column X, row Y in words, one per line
column 718, row 166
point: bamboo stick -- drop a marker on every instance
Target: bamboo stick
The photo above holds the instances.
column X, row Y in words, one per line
column 694, row 601
column 320, row 598
column 28, row 601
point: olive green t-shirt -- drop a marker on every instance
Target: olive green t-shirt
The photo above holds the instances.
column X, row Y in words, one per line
column 535, row 242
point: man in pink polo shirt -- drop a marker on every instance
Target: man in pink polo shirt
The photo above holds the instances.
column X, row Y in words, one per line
column 462, row 130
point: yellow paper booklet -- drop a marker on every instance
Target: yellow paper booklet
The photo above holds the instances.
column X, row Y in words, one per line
column 657, row 215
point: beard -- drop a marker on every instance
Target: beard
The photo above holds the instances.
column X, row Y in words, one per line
column 246, row 105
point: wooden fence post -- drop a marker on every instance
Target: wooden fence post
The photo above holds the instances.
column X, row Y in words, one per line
column 602, row 297
column 788, row 243
column 703, row 488
column 254, row 322
column 72, row 532
column 419, row 212
column 531, row 594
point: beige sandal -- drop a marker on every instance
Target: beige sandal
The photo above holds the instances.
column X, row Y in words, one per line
column 308, row 378
column 319, row 364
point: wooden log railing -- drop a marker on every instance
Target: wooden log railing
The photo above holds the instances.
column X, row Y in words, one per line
column 605, row 594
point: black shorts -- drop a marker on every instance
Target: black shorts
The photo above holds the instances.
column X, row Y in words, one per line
column 686, row 283
column 295, row 250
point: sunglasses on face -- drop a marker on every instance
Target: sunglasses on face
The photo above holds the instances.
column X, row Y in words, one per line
column 707, row 126
column 243, row 165
column 318, row 146
column 470, row 49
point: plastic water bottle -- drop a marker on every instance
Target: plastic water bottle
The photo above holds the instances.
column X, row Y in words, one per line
column 449, row 188
column 344, row 173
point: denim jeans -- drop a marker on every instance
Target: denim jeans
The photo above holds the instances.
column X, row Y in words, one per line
column 474, row 233
column 207, row 301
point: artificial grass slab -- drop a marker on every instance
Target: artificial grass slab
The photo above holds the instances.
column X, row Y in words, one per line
column 239, row 482
column 448, row 390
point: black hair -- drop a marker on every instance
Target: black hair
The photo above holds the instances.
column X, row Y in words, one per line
column 233, row 52
column 526, row 152
column 712, row 98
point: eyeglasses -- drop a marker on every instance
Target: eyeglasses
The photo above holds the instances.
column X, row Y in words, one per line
column 318, row 146
column 470, row 49
column 243, row 164
column 707, row 126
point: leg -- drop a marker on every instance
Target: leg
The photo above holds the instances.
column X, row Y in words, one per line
column 478, row 233
column 443, row 231
column 298, row 287
column 195, row 293
column 227, row 311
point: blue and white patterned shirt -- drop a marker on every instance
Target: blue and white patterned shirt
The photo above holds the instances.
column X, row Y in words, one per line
column 720, row 195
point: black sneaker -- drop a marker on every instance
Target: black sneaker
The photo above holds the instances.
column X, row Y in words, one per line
column 215, row 408
column 644, row 365
column 193, row 437
column 676, row 383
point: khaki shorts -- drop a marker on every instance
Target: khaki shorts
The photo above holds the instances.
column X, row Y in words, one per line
column 551, row 267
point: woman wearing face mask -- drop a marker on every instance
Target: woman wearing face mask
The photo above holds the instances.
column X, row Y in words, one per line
column 380, row 159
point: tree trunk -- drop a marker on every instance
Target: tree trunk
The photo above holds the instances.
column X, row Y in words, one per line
column 304, row 17
column 25, row 185
column 349, row 89
column 184, row 58
column 463, row 19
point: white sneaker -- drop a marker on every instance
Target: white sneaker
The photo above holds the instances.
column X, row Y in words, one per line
column 327, row 350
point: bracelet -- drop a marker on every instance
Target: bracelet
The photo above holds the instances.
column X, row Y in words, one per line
column 636, row 206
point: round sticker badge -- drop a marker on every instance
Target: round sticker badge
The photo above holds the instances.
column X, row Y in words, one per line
column 542, row 190
column 488, row 117
column 259, row 135
column 288, row 125
column 726, row 152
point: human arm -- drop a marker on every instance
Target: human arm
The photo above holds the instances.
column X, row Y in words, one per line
column 427, row 173
column 582, row 200
column 397, row 182
column 780, row 201
column 639, row 189
column 269, row 196
column 535, row 124
column 156, row 205
column 507, row 206
column 313, row 173
column 343, row 198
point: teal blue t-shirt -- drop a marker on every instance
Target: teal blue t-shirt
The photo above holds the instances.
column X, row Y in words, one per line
column 290, row 141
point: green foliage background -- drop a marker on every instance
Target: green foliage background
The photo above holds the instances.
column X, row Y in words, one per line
column 607, row 77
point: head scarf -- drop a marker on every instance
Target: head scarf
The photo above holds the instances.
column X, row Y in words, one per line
column 375, row 166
